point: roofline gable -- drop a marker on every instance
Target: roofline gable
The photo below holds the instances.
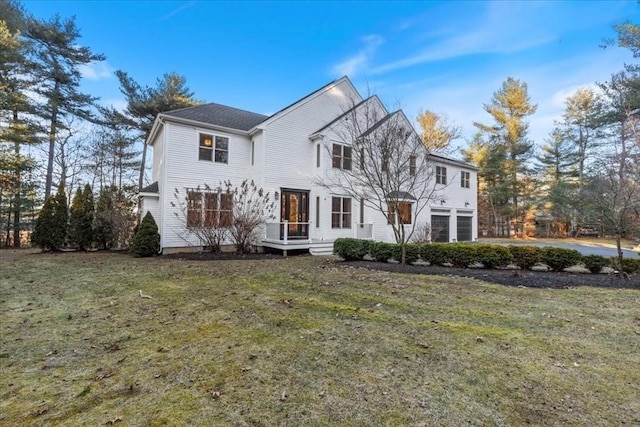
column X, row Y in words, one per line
column 304, row 99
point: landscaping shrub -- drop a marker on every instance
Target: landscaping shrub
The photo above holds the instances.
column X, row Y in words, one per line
column 595, row 263
column 146, row 242
column 560, row 258
column 629, row 265
column 350, row 249
column 381, row 251
column 435, row 253
column 412, row 252
column 493, row 256
column 462, row 255
column 525, row 257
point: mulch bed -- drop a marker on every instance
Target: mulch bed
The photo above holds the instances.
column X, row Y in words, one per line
column 529, row 279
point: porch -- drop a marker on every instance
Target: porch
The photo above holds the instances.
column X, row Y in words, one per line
column 290, row 236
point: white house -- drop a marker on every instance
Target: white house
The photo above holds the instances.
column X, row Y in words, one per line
column 292, row 154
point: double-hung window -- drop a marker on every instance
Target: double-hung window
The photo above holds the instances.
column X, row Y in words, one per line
column 341, row 157
column 412, row 165
column 209, row 208
column 214, row 148
column 340, row 212
column 441, row 175
column 465, row 179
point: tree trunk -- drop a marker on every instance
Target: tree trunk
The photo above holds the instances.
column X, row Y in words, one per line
column 142, row 164
column 52, row 146
column 17, row 203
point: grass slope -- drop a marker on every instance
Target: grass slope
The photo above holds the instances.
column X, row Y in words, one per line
column 305, row 341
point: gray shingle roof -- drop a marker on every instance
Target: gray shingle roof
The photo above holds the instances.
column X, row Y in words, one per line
column 219, row 115
column 152, row 188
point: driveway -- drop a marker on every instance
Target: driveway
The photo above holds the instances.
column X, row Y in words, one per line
column 587, row 248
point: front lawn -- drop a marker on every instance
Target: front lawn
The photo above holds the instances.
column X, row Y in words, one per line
column 305, row 341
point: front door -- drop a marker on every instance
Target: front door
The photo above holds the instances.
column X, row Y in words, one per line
column 294, row 208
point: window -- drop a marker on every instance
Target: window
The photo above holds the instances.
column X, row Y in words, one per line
column 253, row 152
column 208, row 209
column 465, row 179
column 385, row 163
column 441, row 175
column 412, row 165
column 403, row 208
column 214, row 148
column 318, row 155
column 317, row 212
column 341, row 157
column 340, row 212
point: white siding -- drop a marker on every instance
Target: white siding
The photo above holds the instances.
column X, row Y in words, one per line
column 184, row 170
column 289, row 154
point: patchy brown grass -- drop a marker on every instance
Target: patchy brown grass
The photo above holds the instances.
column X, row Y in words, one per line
column 305, row 341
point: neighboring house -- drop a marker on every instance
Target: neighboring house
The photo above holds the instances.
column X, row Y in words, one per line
column 286, row 154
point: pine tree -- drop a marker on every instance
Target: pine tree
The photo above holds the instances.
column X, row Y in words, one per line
column 507, row 139
column 144, row 103
column 59, row 56
column 16, row 129
column 146, row 242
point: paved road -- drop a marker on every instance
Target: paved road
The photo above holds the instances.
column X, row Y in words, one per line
column 586, row 249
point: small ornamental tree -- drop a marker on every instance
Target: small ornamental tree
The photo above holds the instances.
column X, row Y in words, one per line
column 146, row 242
column 50, row 232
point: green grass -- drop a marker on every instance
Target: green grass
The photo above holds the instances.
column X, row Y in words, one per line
column 305, row 341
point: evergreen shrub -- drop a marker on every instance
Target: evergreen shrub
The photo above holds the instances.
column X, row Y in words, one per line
column 525, row 257
column 560, row 258
column 146, row 242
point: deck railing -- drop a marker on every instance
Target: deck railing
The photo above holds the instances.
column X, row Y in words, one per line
column 286, row 231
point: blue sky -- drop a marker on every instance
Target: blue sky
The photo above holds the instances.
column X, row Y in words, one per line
column 448, row 57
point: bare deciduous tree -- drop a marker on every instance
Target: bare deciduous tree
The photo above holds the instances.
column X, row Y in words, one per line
column 385, row 164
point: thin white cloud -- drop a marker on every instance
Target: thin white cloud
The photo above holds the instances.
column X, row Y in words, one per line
column 353, row 65
column 96, row 70
column 492, row 33
column 178, row 10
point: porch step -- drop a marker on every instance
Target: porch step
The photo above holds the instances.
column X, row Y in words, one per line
column 321, row 249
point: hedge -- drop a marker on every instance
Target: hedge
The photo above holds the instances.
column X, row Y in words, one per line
column 525, row 257
column 560, row 258
column 412, row 252
column 351, row 249
column 493, row 256
column 595, row 263
column 381, row 251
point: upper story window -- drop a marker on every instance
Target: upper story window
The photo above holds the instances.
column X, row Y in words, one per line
column 208, row 209
column 441, row 175
column 465, row 179
column 340, row 212
column 214, row 148
column 341, row 157
column 412, row 165
column 404, row 212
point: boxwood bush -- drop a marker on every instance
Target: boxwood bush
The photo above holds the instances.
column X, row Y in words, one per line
column 435, row 253
column 381, row 251
column 412, row 252
column 462, row 255
column 629, row 265
column 525, row 257
column 493, row 256
column 560, row 258
column 595, row 263
column 351, row 249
